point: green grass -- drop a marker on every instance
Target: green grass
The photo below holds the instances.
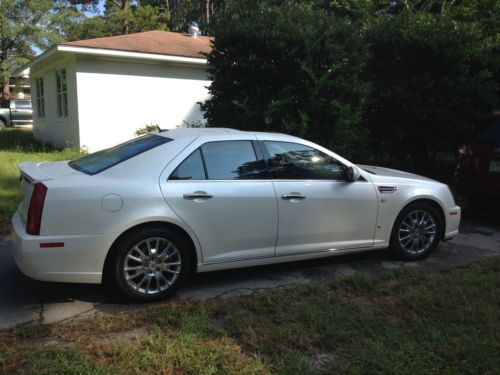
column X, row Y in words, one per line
column 402, row 323
column 16, row 146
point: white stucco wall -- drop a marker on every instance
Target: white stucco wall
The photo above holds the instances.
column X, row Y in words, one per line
column 117, row 97
column 51, row 129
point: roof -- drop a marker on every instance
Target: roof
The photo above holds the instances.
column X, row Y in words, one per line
column 157, row 42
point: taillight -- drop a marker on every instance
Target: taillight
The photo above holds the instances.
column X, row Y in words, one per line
column 36, row 209
column 466, row 151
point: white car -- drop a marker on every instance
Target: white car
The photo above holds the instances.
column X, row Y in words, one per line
column 148, row 212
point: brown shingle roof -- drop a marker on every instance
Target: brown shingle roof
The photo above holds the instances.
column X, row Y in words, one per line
column 159, row 42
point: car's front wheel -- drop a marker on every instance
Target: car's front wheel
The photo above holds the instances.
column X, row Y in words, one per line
column 416, row 232
column 149, row 264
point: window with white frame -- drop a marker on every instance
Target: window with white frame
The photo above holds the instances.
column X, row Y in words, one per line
column 62, row 93
column 40, row 98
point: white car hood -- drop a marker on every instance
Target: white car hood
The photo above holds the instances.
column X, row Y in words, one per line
column 387, row 172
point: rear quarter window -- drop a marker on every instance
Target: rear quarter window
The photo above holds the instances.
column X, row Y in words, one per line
column 101, row 160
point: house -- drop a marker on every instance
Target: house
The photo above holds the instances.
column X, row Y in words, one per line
column 95, row 93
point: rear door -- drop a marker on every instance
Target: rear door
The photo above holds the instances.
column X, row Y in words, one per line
column 221, row 191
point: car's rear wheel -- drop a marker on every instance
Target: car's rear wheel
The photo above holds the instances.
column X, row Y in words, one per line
column 149, row 264
column 416, row 232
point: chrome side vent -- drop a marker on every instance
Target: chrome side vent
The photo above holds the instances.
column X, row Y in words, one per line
column 387, row 189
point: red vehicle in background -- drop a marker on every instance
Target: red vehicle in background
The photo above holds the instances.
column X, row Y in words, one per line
column 478, row 170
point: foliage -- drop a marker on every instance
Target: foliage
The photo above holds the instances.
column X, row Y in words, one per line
column 431, row 83
column 271, row 74
column 22, row 25
column 151, row 128
column 398, row 82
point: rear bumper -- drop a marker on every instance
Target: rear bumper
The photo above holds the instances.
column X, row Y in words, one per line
column 81, row 260
column 453, row 217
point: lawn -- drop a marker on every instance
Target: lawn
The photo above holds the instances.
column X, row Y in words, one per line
column 402, row 323
column 16, row 146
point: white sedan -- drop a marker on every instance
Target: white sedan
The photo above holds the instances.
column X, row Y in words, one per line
column 147, row 213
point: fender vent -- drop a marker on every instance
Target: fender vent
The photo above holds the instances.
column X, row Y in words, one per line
column 387, row 189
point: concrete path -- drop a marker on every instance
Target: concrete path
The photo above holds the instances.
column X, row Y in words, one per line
column 24, row 301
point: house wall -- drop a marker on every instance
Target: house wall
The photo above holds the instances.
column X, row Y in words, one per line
column 51, row 129
column 115, row 98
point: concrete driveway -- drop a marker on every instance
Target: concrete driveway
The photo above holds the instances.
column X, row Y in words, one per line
column 24, row 301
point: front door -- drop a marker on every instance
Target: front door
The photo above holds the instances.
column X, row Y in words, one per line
column 318, row 209
column 221, row 192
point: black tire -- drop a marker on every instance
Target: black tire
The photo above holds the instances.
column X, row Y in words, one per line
column 124, row 255
column 413, row 243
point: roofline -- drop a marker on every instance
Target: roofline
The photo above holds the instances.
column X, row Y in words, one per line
column 114, row 53
column 131, row 54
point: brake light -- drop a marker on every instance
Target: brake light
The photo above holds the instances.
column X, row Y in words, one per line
column 466, row 150
column 36, row 209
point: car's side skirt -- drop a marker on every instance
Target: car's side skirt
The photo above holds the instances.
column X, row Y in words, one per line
column 284, row 258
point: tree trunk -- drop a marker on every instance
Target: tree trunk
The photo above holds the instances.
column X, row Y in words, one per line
column 207, row 11
column 5, row 94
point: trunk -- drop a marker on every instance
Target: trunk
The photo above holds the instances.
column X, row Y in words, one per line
column 5, row 94
column 5, row 88
column 32, row 172
column 207, row 11
column 126, row 25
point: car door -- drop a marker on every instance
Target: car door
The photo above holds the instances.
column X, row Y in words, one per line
column 319, row 210
column 222, row 192
column 21, row 111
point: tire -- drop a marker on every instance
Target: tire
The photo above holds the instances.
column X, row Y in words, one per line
column 417, row 231
column 142, row 273
column 3, row 125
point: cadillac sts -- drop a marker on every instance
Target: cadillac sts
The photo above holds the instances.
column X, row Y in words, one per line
column 146, row 214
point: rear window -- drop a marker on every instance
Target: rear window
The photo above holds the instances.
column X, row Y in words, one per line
column 101, row 160
column 491, row 135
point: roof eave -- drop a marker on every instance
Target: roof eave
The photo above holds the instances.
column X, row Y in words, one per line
column 131, row 54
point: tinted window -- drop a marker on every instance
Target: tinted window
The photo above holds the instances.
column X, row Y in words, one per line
column 298, row 162
column 492, row 134
column 101, row 160
column 190, row 169
column 5, row 104
column 231, row 160
column 23, row 104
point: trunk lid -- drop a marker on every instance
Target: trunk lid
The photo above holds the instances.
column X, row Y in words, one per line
column 33, row 172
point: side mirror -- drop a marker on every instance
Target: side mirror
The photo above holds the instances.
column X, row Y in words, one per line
column 351, row 174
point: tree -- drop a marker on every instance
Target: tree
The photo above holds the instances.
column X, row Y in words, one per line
column 22, row 25
column 291, row 69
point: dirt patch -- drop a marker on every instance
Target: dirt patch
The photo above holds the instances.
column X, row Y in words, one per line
column 475, row 230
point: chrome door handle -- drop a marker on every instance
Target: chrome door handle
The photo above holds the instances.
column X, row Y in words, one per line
column 293, row 196
column 197, row 195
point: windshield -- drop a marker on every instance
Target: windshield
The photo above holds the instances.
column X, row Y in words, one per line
column 101, row 160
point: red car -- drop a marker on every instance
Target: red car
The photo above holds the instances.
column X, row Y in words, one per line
column 478, row 170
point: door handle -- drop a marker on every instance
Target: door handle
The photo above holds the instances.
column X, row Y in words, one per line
column 197, row 195
column 291, row 196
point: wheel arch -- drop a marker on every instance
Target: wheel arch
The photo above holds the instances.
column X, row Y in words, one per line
column 432, row 202
column 164, row 224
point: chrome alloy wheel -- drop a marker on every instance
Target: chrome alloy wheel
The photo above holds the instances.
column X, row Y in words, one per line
column 417, row 232
column 152, row 265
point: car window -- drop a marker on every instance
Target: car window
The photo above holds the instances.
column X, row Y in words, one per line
column 5, row 104
column 101, row 160
column 492, row 134
column 190, row 169
column 23, row 104
column 293, row 161
column 231, row 160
